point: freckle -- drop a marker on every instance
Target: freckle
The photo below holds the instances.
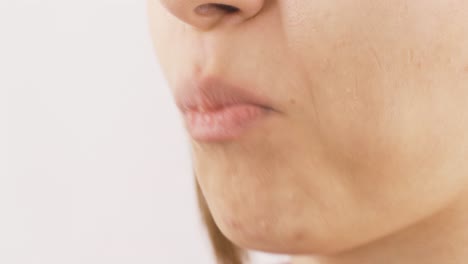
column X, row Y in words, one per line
column 292, row 101
column 298, row 236
column 419, row 65
column 466, row 68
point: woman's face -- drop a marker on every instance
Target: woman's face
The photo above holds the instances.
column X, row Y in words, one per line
column 370, row 129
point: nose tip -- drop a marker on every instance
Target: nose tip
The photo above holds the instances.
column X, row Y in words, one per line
column 206, row 14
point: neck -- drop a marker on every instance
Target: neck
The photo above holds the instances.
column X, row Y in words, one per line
column 441, row 238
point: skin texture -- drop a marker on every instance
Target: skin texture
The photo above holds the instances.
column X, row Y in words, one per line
column 365, row 160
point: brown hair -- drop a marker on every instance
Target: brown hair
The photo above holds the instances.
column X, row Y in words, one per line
column 226, row 252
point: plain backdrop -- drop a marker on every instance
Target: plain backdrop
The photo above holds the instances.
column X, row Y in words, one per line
column 94, row 164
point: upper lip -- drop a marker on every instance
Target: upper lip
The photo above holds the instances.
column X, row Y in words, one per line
column 211, row 93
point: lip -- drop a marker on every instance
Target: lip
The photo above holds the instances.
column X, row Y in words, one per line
column 215, row 110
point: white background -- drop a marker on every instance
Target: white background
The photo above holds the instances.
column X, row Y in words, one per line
column 94, row 163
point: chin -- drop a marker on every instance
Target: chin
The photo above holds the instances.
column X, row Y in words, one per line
column 255, row 235
column 268, row 229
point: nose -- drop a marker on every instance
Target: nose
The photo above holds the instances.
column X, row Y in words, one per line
column 206, row 14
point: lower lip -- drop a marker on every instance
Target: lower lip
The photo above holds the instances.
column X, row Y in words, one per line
column 223, row 124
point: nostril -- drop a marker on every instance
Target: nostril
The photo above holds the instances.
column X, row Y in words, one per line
column 226, row 8
column 210, row 9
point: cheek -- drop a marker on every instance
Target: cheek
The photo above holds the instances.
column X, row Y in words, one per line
column 388, row 82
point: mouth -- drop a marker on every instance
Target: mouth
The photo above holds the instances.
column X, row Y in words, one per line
column 215, row 111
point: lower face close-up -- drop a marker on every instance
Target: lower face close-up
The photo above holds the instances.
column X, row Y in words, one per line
column 318, row 127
